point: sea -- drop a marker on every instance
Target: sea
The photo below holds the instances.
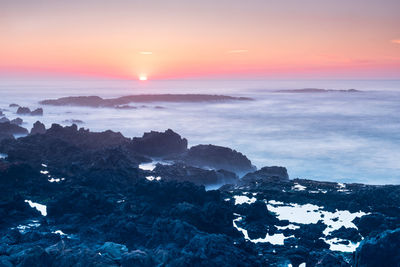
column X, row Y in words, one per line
column 351, row 137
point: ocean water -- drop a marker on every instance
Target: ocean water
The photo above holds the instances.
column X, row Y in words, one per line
column 333, row 136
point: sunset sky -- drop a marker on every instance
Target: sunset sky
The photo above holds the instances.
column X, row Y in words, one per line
column 201, row 39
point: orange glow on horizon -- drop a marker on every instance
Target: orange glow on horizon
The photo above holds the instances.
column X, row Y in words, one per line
column 205, row 39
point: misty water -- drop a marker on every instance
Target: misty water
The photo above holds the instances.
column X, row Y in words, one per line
column 333, row 136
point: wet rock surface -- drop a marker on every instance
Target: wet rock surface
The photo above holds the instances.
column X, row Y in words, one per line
column 72, row 197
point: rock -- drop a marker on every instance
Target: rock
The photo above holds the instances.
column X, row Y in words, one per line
column 13, row 105
column 137, row 258
column 4, row 119
column 37, row 112
column 329, row 259
column 38, row 128
column 35, row 256
column 113, row 250
column 382, row 250
column 17, row 121
column 181, row 172
column 218, row 157
column 371, row 223
column 95, row 101
column 266, row 173
column 73, row 121
column 5, row 261
column 27, row 111
column 351, row 234
column 125, row 107
column 23, row 111
column 8, row 128
column 157, row 144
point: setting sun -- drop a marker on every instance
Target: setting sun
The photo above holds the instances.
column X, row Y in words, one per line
column 142, row 78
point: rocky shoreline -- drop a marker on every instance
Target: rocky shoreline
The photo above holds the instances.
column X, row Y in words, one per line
column 70, row 197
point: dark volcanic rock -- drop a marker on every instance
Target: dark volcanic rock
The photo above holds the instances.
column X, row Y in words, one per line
column 112, row 216
column 13, row 105
column 17, row 121
column 38, row 128
column 4, row 119
column 218, row 157
column 181, row 172
column 266, row 173
column 23, row 111
column 382, row 250
column 157, row 144
column 9, row 128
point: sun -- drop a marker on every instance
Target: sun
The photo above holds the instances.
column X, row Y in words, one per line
column 143, row 77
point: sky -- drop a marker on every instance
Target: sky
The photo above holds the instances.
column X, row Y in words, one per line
column 208, row 39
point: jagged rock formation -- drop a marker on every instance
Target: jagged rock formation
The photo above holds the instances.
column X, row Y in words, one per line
column 155, row 144
column 218, row 157
column 38, row 128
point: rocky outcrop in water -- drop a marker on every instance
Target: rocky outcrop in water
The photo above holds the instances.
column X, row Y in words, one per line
column 96, row 101
column 218, row 157
column 27, row 111
column 156, row 144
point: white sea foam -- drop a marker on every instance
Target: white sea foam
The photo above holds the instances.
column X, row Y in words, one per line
column 41, row 208
column 275, row 239
column 244, row 199
column 153, row 178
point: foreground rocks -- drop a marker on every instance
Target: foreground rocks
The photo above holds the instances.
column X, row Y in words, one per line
column 102, row 208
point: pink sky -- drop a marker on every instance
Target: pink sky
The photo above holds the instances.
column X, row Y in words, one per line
column 202, row 39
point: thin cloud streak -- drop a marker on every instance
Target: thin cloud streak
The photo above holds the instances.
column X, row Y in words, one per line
column 397, row 41
column 237, row 51
column 146, row 53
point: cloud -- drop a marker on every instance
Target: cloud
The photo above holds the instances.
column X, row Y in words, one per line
column 146, row 53
column 237, row 51
column 397, row 41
